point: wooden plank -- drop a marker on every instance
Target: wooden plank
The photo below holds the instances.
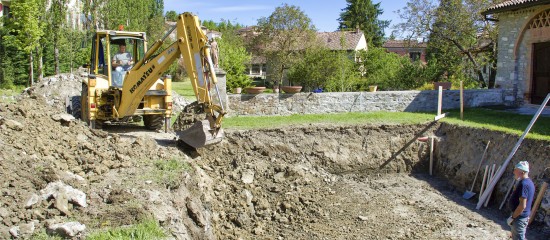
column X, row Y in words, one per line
column 507, row 192
column 440, row 116
column 484, row 180
column 493, row 172
column 535, row 207
column 514, row 150
column 431, row 154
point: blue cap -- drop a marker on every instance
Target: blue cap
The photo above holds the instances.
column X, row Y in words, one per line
column 523, row 166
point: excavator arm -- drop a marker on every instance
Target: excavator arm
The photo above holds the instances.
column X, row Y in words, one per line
column 192, row 44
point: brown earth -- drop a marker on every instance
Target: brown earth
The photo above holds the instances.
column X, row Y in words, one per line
column 307, row 182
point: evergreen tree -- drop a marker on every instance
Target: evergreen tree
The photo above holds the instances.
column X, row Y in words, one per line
column 171, row 16
column 363, row 14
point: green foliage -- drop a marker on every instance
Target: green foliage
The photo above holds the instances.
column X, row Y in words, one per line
column 363, row 14
column 233, row 60
column 381, row 68
column 170, row 172
column 148, row 229
column 320, row 67
column 461, row 48
column 171, row 16
column 287, row 30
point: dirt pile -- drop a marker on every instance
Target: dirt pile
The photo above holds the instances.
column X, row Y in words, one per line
column 120, row 176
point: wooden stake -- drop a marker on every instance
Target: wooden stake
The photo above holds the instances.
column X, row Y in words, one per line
column 507, row 192
column 461, row 100
column 431, row 154
column 542, row 191
column 484, row 179
column 439, row 104
column 439, row 100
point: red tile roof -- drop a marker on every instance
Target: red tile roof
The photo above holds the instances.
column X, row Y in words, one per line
column 332, row 39
column 514, row 5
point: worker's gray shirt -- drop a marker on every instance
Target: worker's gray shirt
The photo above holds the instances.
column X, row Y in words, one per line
column 122, row 58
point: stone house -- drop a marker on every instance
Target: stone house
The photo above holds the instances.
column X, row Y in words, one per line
column 523, row 49
column 413, row 49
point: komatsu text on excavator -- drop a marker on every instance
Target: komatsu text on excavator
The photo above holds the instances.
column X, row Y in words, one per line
column 124, row 84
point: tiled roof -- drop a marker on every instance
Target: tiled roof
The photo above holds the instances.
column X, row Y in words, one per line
column 514, row 5
column 404, row 44
column 332, row 39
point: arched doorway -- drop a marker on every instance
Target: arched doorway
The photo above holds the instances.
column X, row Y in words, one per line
column 540, row 82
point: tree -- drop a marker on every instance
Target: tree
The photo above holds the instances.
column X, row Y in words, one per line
column 363, row 14
column 456, row 31
column 233, row 59
column 171, row 16
column 281, row 37
column 26, row 29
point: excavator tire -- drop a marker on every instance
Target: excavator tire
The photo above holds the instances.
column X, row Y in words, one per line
column 153, row 122
column 76, row 107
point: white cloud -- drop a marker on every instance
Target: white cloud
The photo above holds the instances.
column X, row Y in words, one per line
column 241, row 8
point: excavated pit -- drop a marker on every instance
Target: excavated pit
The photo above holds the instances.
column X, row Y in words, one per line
column 355, row 182
column 302, row 182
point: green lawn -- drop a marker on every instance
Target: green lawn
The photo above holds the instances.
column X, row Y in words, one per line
column 184, row 89
column 477, row 118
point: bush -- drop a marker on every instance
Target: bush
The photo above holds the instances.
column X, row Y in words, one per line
column 322, row 68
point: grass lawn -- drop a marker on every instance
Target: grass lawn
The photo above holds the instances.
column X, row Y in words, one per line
column 184, row 89
column 477, row 118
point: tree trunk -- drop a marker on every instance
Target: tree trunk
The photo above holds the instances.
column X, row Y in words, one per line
column 40, row 65
column 56, row 59
column 31, row 73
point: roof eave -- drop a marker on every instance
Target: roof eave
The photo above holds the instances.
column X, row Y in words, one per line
column 514, row 7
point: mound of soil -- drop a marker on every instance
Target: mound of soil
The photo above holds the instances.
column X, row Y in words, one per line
column 118, row 174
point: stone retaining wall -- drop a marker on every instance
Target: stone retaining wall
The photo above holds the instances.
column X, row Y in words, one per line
column 393, row 101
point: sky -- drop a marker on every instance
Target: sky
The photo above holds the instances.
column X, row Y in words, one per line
column 323, row 13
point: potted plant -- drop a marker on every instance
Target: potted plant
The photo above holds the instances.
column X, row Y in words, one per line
column 254, row 90
column 237, row 90
column 373, row 88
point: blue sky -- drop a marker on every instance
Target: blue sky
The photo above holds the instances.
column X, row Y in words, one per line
column 323, row 13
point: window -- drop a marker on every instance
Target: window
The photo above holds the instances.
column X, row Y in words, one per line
column 415, row 56
column 7, row 11
column 255, row 69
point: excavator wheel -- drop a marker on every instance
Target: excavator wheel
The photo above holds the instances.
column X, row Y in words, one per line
column 153, row 122
column 76, row 107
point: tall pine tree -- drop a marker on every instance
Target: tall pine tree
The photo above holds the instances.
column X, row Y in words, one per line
column 363, row 14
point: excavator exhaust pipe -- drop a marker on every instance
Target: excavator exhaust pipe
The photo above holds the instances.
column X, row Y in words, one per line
column 200, row 135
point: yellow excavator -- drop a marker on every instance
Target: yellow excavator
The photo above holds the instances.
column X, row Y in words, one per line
column 129, row 84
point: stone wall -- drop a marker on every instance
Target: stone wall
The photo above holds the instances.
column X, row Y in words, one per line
column 393, row 101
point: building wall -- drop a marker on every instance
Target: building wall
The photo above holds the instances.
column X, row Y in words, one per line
column 514, row 61
column 338, row 102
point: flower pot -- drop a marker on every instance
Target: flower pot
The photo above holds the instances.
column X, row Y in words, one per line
column 373, row 88
column 275, row 90
column 237, row 90
column 291, row 89
column 445, row 85
column 254, row 90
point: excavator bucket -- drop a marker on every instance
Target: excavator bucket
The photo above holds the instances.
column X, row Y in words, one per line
column 200, row 134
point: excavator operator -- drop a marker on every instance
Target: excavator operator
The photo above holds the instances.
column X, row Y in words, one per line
column 122, row 62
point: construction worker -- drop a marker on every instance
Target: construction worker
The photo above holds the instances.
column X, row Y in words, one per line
column 521, row 200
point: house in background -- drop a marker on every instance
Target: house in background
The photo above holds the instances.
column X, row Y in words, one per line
column 349, row 41
column 5, row 8
column 523, row 49
column 413, row 49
